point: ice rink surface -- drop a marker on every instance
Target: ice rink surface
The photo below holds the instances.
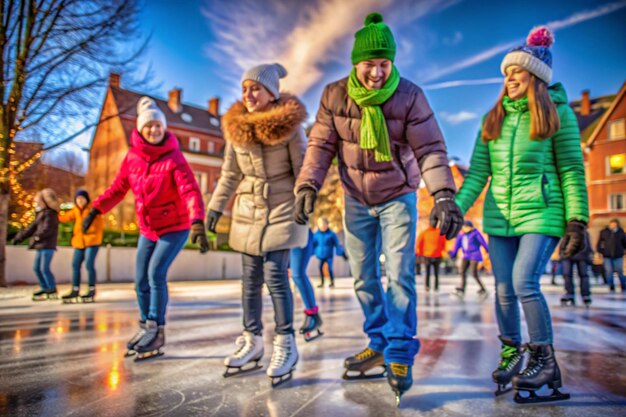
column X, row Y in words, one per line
column 68, row 360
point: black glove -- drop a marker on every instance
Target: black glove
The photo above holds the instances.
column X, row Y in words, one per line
column 198, row 235
column 212, row 219
column 574, row 240
column 305, row 204
column 90, row 218
column 345, row 256
column 447, row 214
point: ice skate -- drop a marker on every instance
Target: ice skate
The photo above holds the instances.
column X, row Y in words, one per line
column 511, row 362
column 89, row 297
column 43, row 295
column 357, row 366
column 459, row 293
column 71, row 297
column 250, row 351
column 311, row 327
column 132, row 343
column 541, row 370
column 587, row 301
column 568, row 300
column 149, row 346
column 284, row 359
column 400, row 378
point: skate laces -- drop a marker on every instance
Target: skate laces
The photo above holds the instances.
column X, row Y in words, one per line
column 535, row 364
column 280, row 354
column 508, row 357
column 244, row 346
column 365, row 354
column 399, row 369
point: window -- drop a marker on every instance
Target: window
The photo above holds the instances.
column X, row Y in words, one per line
column 616, row 164
column 211, row 147
column 194, row 144
column 617, row 129
column 617, row 201
column 201, row 179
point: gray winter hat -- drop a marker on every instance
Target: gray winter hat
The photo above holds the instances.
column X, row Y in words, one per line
column 148, row 111
column 268, row 75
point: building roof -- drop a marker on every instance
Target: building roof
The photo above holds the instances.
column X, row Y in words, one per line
column 191, row 117
column 602, row 121
column 587, row 124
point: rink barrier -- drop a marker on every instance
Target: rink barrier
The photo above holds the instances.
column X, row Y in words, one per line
column 117, row 264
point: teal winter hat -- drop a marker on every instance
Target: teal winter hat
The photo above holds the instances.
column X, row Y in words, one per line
column 374, row 40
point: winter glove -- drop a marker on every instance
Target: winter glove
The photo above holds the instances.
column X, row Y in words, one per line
column 345, row 256
column 212, row 219
column 305, row 204
column 447, row 214
column 574, row 239
column 198, row 235
column 90, row 218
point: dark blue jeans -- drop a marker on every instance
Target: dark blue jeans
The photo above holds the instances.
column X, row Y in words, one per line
column 615, row 265
column 41, row 266
column 87, row 255
column 299, row 260
column 270, row 268
column 518, row 263
column 329, row 262
column 391, row 317
column 153, row 261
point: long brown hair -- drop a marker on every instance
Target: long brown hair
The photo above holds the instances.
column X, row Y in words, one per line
column 544, row 119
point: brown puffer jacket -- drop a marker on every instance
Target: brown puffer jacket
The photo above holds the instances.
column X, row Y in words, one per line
column 263, row 157
column 417, row 145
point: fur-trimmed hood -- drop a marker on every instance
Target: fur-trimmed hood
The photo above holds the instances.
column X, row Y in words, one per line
column 271, row 127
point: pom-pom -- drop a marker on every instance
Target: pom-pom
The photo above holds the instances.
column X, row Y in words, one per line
column 540, row 36
column 280, row 70
column 373, row 18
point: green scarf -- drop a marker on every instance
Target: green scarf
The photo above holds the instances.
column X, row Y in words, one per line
column 374, row 134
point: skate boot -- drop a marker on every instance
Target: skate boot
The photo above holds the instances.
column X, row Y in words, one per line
column 459, row 293
column 90, row 296
column 587, row 300
column 567, row 300
column 363, row 362
column 483, row 293
column 541, row 370
column 311, row 327
column 400, row 378
column 39, row 295
column 132, row 343
column 150, row 344
column 284, row 359
column 250, row 350
column 71, row 297
column 52, row 294
column 511, row 362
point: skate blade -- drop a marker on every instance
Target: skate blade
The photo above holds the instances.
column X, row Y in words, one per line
column 502, row 389
column 240, row 371
column 279, row 380
column 148, row 355
column 533, row 398
column 88, row 300
column 130, row 353
column 362, row 375
column 309, row 336
column 71, row 301
column 398, row 398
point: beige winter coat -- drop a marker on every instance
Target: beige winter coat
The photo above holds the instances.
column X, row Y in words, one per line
column 263, row 157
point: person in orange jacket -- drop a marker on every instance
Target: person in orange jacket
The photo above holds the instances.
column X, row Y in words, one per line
column 85, row 245
column 430, row 245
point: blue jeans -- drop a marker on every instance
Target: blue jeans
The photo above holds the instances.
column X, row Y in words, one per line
column 153, row 261
column 270, row 268
column 615, row 265
column 518, row 263
column 391, row 318
column 41, row 266
column 88, row 255
column 299, row 260
column 329, row 262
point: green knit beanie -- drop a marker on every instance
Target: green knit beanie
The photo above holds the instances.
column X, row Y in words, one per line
column 375, row 40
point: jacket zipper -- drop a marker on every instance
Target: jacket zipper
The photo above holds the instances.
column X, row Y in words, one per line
column 518, row 115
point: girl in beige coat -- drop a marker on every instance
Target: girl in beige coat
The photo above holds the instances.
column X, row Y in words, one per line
column 265, row 146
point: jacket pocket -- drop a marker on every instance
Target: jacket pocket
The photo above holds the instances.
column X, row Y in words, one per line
column 404, row 158
column 545, row 189
column 163, row 216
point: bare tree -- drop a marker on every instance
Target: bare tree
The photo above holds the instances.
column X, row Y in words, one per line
column 55, row 58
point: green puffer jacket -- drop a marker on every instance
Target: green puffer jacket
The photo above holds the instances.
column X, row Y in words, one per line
column 536, row 185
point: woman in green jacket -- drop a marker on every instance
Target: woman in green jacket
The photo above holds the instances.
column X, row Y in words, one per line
column 529, row 145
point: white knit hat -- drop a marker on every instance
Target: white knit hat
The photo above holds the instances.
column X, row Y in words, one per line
column 268, row 75
column 148, row 111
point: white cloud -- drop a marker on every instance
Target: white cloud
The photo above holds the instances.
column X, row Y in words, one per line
column 453, row 40
column 500, row 48
column 457, row 118
column 462, row 83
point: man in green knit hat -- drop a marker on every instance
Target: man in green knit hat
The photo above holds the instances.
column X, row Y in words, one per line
column 385, row 136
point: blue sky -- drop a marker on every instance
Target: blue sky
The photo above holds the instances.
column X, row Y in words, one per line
column 204, row 46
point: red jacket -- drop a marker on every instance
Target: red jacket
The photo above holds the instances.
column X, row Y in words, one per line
column 430, row 243
column 167, row 196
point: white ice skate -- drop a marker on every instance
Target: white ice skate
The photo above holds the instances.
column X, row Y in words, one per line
column 250, row 350
column 284, row 359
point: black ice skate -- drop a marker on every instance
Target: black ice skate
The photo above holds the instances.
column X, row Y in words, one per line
column 71, row 297
column 43, row 295
column 400, row 378
column 150, row 344
column 311, row 327
column 132, row 343
column 568, row 300
column 511, row 361
column 587, row 301
column 541, row 370
column 459, row 293
column 357, row 366
column 90, row 296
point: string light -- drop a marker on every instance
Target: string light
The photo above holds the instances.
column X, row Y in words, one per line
column 24, row 213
